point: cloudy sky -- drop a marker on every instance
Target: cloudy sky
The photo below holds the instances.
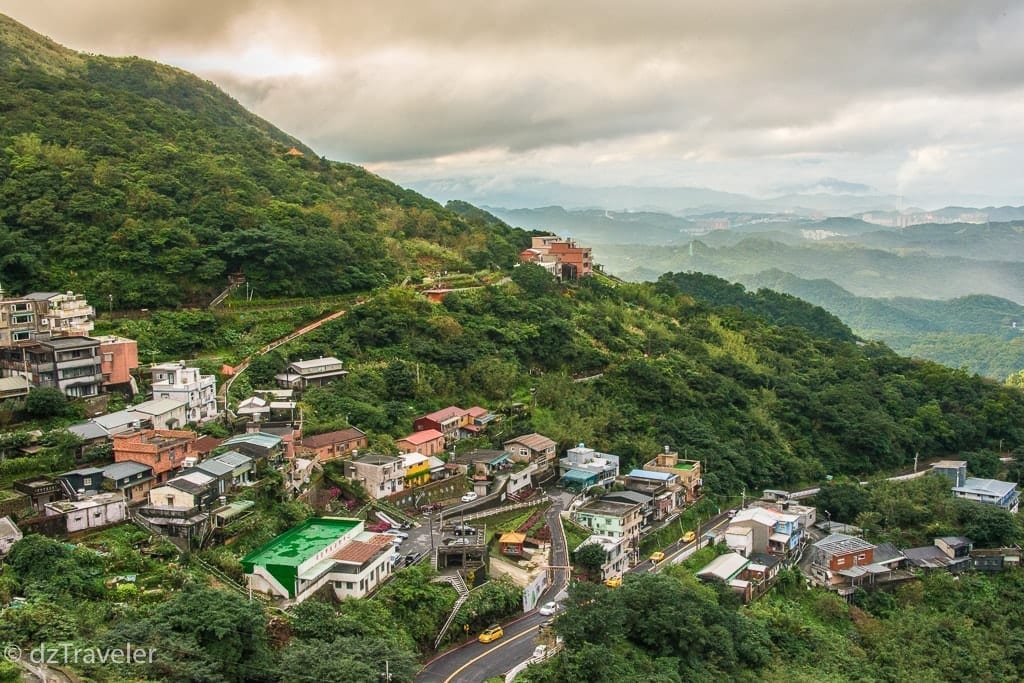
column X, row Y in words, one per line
column 921, row 98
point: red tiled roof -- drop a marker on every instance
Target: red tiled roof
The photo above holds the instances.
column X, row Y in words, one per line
column 420, row 438
column 444, row 414
column 329, row 438
column 359, row 552
column 205, row 444
column 477, row 411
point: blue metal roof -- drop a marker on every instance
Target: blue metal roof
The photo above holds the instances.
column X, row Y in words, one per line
column 647, row 474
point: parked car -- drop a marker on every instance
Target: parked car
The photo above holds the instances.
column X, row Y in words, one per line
column 657, row 556
column 689, row 537
column 460, row 541
column 614, row 582
column 410, row 558
column 395, row 532
column 490, row 634
column 548, row 608
column 464, row 530
column 470, row 497
column 540, row 651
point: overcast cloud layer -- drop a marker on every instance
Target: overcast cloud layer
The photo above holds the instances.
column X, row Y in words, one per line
column 919, row 98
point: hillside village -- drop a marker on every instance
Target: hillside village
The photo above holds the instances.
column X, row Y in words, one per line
column 190, row 489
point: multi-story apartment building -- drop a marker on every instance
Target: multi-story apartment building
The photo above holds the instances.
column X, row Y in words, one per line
column 71, row 364
column 198, row 392
column 164, row 450
column 41, row 315
column 118, row 358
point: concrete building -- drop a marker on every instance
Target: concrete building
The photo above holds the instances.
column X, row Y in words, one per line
column 990, row 491
column 165, row 451
column 119, row 357
column 328, row 551
column 616, row 549
column 688, row 471
column 162, row 413
column 584, row 467
column 428, row 442
column 611, row 518
column 71, row 364
column 89, row 512
column 535, row 448
column 198, row 392
column 837, row 553
column 311, row 373
column 337, row 444
column 380, row 475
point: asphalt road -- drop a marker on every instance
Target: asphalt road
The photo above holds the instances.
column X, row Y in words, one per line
column 475, row 661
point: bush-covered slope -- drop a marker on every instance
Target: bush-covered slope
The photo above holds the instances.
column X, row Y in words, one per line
column 126, row 178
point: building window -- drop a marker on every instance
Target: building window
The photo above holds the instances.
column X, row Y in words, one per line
column 108, row 357
column 20, row 336
column 862, row 556
column 87, row 481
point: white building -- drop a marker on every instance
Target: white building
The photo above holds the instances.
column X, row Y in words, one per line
column 616, row 553
column 332, row 551
column 90, row 512
column 179, row 382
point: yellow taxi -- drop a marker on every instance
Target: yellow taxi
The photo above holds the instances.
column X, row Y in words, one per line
column 490, row 634
column 689, row 537
column 657, row 556
column 614, row 582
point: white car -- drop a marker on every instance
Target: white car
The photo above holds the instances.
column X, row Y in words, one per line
column 539, row 652
column 548, row 609
column 398, row 534
column 470, row 497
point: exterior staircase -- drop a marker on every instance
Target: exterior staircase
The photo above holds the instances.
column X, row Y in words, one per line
column 460, row 586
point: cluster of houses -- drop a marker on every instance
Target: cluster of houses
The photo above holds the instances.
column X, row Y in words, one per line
column 172, row 481
column 619, row 519
column 770, row 534
column 45, row 342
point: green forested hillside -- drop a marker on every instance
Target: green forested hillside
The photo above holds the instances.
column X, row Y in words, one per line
column 982, row 333
column 761, row 403
column 126, row 178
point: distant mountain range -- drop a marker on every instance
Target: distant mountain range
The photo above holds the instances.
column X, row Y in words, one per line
column 533, row 192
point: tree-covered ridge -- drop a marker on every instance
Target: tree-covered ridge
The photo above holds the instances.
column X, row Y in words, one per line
column 126, row 178
column 763, row 405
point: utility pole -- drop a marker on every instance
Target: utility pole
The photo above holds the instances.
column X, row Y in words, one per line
column 916, row 454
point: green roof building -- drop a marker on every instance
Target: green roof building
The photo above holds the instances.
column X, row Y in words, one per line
column 285, row 559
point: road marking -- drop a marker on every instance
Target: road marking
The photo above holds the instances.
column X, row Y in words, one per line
column 479, row 657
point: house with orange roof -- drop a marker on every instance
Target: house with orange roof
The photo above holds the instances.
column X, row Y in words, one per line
column 342, row 443
column 428, row 442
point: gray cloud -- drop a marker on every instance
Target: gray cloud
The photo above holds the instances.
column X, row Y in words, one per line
column 663, row 91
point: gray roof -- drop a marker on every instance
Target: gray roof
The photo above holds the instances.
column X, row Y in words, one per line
column 126, row 468
column 69, row 342
column 157, row 406
column 627, row 497
column 837, row 544
column 956, row 541
column 121, row 418
column 886, row 552
column 87, row 431
column 724, row 567
column 986, row 487
column 192, row 482
column 215, row 467
column 82, row 472
column 535, row 441
column 233, row 458
column 40, row 296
